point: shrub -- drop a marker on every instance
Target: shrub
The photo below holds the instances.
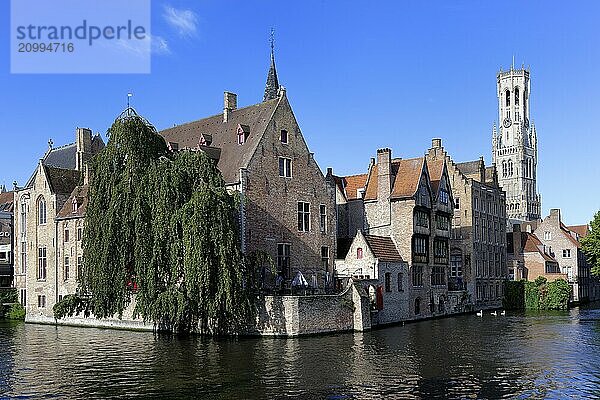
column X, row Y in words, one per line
column 16, row 312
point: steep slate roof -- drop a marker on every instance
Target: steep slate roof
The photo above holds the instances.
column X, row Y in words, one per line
column 581, row 230
column 349, row 185
column 224, row 135
column 6, row 201
column 383, row 248
column 62, row 181
column 61, row 157
column 81, row 194
column 469, row 167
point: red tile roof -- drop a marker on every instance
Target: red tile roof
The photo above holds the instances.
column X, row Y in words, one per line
column 383, row 248
column 408, row 177
column 531, row 244
column 581, row 230
column 436, row 169
column 349, row 185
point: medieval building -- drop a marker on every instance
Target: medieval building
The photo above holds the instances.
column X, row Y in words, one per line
column 477, row 242
column 39, row 261
column 514, row 146
column 287, row 205
column 407, row 202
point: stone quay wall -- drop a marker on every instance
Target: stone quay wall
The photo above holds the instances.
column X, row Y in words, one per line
column 277, row 315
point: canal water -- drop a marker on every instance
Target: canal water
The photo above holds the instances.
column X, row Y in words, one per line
column 547, row 355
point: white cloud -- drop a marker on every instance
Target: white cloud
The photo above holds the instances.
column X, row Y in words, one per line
column 155, row 44
column 185, row 22
column 159, row 45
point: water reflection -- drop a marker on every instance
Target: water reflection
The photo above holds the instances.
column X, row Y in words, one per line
column 550, row 355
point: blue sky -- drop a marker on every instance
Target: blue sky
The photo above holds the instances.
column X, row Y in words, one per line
column 359, row 75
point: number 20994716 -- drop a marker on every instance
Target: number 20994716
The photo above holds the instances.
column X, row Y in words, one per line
column 56, row 47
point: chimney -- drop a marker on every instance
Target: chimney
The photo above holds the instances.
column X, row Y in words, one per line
column 384, row 174
column 516, row 237
column 555, row 214
column 83, row 140
column 436, row 143
column 229, row 104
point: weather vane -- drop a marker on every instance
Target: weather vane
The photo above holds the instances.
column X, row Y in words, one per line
column 129, row 96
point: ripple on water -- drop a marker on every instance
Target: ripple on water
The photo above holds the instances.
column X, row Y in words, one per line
column 552, row 355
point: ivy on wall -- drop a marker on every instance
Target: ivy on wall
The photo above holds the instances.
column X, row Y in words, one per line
column 537, row 295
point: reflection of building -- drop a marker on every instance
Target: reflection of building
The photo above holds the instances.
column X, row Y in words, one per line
column 477, row 244
column 37, row 261
column 410, row 202
column 6, row 238
column 287, row 206
column 514, row 146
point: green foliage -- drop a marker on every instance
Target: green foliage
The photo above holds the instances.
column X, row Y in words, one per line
column 514, row 295
column 16, row 312
column 8, row 295
column 532, row 296
column 591, row 245
column 71, row 305
column 537, row 295
column 162, row 225
column 556, row 296
column 540, row 280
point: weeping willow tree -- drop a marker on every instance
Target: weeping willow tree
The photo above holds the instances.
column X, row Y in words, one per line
column 160, row 225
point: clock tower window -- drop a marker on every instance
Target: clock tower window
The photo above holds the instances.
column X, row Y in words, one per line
column 516, row 96
column 507, row 95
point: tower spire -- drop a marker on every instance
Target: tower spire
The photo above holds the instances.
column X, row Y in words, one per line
column 272, row 86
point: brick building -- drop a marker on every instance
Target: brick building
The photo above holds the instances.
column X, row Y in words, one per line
column 377, row 264
column 529, row 258
column 38, row 261
column 288, row 205
column 6, row 238
column 478, row 239
column 563, row 243
column 402, row 201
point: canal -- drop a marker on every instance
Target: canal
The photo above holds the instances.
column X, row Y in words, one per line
column 549, row 355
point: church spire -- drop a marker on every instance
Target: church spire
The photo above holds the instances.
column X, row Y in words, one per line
column 272, row 87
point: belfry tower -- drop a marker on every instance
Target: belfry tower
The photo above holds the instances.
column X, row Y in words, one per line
column 514, row 146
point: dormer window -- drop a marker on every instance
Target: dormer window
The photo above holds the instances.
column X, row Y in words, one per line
column 283, row 137
column 74, row 205
column 243, row 131
column 205, row 140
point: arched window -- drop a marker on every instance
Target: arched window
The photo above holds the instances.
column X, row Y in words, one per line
column 417, row 306
column 510, row 168
column 41, row 211
column 507, row 95
column 504, row 169
column 359, row 253
column 516, row 96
